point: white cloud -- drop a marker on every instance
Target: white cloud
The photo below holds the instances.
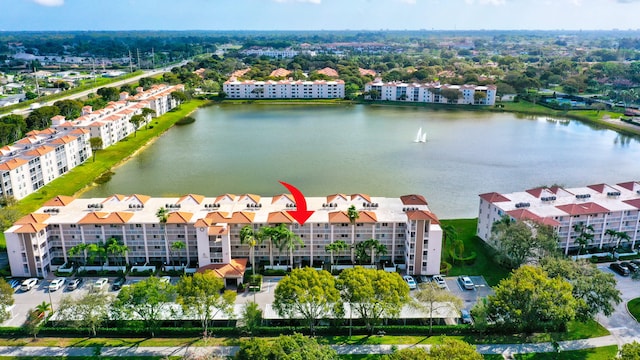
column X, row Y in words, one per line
column 409, row 2
column 300, row 1
column 486, row 2
column 49, row 2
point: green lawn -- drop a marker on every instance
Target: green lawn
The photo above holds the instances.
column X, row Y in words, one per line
column 483, row 265
column 601, row 353
column 634, row 308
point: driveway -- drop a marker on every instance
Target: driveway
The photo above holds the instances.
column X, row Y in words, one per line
column 621, row 324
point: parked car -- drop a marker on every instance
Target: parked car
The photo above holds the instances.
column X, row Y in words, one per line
column 422, row 279
column 117, row 284
column 637, row 262
column 410, row 281
column 74, row 284
column 56, row 284
column 465, row 282
column 465, row 316
column 439, row 280
column 29, row 284
column 631, row 266
column 100, row 284
column 621, row 270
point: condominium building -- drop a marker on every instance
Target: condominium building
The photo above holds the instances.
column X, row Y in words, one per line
column 283, row 89
column 157, row 96
column 430, row 93
column 602, row 206
column 39, row 158
column 209, row 227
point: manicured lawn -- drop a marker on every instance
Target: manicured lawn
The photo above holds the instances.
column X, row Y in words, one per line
column 634, row 308
column 116, row 342
column 84, row 175
column 601, row 353
column 483, row 265
column 575, row 331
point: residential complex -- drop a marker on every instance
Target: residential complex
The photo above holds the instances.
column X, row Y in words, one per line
column 604, row 207
column 283, row 89
column 43, row 155
column 209, row 227
column 430, row 93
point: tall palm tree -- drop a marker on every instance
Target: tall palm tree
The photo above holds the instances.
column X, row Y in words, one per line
column 251, row 239
column 336, row 246
column 177, row 246
column 267, row 232
column 79, row 250
column 99, row 251
column 585, row 235
column 353, row 216
column 163, row 215
column 115, row 248
column 288, row 240
column 374, row 246
column 618, row 236
column 43, row 307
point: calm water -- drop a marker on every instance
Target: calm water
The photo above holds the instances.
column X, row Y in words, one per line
column 348, row 149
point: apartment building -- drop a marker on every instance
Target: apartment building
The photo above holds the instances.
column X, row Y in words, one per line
column 430, row 93
column 602, row 206
column 157, row 96
column 39, row 158
column 283, row 89
column 210, row 226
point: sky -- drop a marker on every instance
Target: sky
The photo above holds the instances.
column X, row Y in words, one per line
column 29, row 15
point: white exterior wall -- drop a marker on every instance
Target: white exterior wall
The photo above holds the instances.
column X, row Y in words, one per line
column 393, row 91
column 284, row 89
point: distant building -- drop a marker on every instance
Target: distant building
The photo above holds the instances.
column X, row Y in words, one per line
column 328, row 72
column 210, row 227
column 429, row 93
column 605, row 207
column 280, row 73
column 271, row 52
column 284, row 89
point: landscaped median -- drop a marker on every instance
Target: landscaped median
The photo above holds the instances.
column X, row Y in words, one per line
column 85, row 174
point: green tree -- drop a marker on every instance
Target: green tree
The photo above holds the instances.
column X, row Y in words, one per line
column 109, row 93
column 163, row 215
column 448, row 349
column 516, row 243
column 251, row 317
column 337, row 247
column 430, row 299
column 136, row 120
column 89, row 311
column 70, row 109
column 618, row 236
column 179, row 97
column 528, row 300
column 479, row 96
column 96, row 144
column 630, row 351
column 148, row 300
column 115, row 248
column 452, row 95
column 202, row 296
column 374, row 246
column 177, row 247
column 309, row 294
column 595, row 290
column 291, row 347
column 585, row 235
column 353, row 216
column 147, row 113
column 373, row 294
column 6, row 299
column 252, row 239
column 40, row 118
column 287, row 239
column 97, row 251
column 79, row 250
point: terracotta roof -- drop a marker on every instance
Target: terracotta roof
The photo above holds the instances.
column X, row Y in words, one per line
column 30, row 228
column 628, row 185
column 179, row 217
column 254, row 198
column 58, row 118
column 141, row 198
column 197, row 198
column 231, row 197
column 280, row 217
column 338, row 217
column 367, row 217
column 116, row 197
column 33, row 218
column 286, row 196
column 494, row 197
column 524, row 214
column 582, row 209
column 12, row 164
column 80, row 131
column 413, row 200
column 242, row 217
column 536, row 192
column 60, row 200
column 240, row 73
column 106, row 218
column 364, row 196
column 280, row 73
column 364, row 72
column 342, row 217
column 218, row 217
column 328, row 72
column 598, row 187
column 64, row 140
column 202, row 223
column 217, row 230
column 332, row 198
column 235, row 269
column 634, row 202
column 40, row 151
column 422, row 215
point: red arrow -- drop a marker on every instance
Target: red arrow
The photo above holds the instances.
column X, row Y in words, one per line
column 300, row 214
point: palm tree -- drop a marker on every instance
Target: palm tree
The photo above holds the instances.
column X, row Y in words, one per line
column 585, row 236
column 267, row 232
column 115, row 248
column 177, row 247
column 618, row 236
column 353, row 216
column 97, row 250
column 336, row 246
column 43, row 307
column 373, row 245
column 251, row 239
column 80, row 249
column 163, row 215
column 288, row 240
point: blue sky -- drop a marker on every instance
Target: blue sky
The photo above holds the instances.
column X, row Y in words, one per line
column 318, row 14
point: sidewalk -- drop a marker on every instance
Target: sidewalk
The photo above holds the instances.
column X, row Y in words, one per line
column 231, row 350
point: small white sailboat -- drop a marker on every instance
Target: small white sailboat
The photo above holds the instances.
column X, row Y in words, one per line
column 420, row 136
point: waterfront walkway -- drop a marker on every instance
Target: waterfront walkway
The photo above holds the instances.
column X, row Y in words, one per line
column 230, row 350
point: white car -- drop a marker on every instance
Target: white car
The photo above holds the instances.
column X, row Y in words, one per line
column 466, row 283
column 165, row 280
column 29, row 284
column 410, row 281
column 439, row 281
column 56, row 284
column 100, row 284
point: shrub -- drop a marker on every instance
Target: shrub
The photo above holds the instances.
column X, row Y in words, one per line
column 272, row 272
column 186, row 120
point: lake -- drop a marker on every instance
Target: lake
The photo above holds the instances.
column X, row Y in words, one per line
column 327, row 149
